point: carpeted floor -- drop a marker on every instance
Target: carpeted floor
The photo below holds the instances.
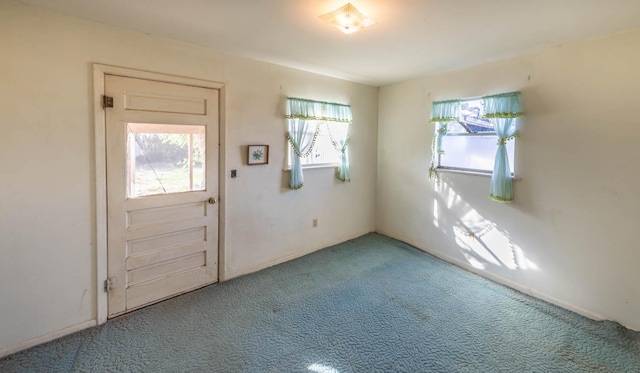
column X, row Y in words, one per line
column 372, row 304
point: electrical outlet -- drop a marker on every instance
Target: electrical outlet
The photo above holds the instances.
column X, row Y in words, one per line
column 315, row 223
column 234, row 173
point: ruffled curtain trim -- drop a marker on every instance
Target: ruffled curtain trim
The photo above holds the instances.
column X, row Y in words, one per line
column 300, row 108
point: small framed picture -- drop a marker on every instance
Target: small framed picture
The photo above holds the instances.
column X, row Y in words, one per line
column 258, row 154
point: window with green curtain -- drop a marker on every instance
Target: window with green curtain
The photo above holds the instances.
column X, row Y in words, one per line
column 500, row 114
column 305, row 119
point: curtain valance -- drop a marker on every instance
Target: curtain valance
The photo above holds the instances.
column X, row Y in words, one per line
column 504, row 105
column 445, row 111
column 300, row 108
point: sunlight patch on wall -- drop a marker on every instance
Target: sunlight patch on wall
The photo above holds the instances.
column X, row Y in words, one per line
column 481, row 242
column 491, row 246
column 522, row 261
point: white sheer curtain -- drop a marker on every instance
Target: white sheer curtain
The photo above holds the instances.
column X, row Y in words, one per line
column 302, row 135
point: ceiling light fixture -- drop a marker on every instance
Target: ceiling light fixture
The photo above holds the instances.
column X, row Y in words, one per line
column 347, row 18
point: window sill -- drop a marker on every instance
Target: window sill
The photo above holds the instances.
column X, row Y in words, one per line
column 473, row 173
column 314, row 166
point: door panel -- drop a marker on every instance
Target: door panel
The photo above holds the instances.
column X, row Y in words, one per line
column 138, row 247
column 151, row 272
column 162, row 171
column 150, row 216
column 145, row 101
column 174, row 284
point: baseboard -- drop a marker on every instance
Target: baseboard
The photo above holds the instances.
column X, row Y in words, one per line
column 271, row 263
column 12, row 349
column 257, row 267
column 500, row 280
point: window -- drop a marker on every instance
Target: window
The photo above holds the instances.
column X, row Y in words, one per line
column 316, row 129
column 164, row 158
column 470, row 142
column 323, row 154
column 463, row 132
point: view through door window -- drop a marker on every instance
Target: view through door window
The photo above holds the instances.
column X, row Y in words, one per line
column 164, row 158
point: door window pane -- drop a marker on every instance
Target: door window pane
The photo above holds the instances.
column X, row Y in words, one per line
column 164, row 158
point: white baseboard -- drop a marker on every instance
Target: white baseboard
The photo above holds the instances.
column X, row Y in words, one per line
column 500, row 280
column 8, row 350
column 257, row 267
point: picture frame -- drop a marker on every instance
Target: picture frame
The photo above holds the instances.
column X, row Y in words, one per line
column 257, row 155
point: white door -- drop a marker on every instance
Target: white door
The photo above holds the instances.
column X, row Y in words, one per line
column 162, row 186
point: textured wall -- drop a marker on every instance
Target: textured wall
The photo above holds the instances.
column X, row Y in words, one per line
column 568, row 236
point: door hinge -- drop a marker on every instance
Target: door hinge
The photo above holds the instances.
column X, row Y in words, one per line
column 107, row 102
column 109, row 284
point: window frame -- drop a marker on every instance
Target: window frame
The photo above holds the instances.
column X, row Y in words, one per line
column 136, row 128
column 311, row 165
column 470, row 171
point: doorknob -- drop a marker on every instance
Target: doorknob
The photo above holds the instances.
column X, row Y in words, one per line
column 212, row 201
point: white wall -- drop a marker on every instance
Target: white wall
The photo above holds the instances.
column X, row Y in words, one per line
column 569, row 235
column 47, row 192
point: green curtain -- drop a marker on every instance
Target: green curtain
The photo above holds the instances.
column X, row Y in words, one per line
column 339, row 133
column 303, row 115
column 503, row 110
column 442, row 112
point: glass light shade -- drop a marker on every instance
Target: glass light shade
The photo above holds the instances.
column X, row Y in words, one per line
column 347, row 18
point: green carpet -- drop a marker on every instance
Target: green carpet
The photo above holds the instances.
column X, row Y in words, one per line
column 372, row 304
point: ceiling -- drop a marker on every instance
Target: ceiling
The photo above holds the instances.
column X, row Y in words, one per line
column 411, row 38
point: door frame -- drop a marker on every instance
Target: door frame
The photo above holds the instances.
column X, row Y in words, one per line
column 99, row 73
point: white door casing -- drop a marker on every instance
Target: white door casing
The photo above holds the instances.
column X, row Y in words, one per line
column 160, row 242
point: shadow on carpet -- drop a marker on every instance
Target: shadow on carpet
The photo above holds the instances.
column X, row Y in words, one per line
column 372, row 304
